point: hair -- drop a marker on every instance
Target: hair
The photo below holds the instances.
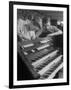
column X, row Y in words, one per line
column 29, row 17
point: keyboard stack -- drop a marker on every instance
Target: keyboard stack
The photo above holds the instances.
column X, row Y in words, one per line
column 42, row 59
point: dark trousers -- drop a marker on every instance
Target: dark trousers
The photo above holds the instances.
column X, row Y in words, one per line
column 58, row 42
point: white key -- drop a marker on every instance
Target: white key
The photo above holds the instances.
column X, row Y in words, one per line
column 40, row 61
column 25, row 53
column 44, row 41
column 33, row 50
column 54, row 73
column 41, row 72
column 42, row 47
column 28, row 45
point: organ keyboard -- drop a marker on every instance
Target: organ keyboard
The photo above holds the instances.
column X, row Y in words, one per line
column 41, row 58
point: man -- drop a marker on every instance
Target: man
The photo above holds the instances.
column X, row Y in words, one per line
column 54, row 31
column 26, row 29
column 57, row 36
column 22, row 30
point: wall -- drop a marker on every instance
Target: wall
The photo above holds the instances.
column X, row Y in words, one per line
column 58, row 15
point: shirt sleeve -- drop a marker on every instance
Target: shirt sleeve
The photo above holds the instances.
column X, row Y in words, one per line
column 55, row 29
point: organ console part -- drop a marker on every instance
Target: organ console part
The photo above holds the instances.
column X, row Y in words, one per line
column 41, row 58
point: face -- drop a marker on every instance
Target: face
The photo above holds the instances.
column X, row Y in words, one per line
column 48, row 25
column 58, row 22
column 27, row 21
